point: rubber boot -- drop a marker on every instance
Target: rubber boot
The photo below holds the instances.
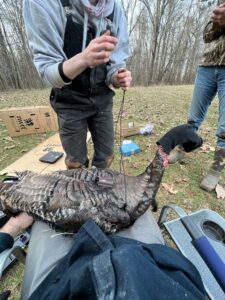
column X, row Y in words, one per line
column 211, row 180
column 176, row 154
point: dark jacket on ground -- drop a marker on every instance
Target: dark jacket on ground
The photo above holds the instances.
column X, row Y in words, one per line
column 112, row 267
column 6, row 241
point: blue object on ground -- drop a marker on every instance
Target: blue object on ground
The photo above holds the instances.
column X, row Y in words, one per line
column 129, row 148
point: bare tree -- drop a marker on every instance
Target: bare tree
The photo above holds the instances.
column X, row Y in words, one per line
column 165, row 37
column 17, row 69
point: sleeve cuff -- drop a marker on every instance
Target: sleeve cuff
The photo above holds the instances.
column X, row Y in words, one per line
column 53, row 78
column 61, row 73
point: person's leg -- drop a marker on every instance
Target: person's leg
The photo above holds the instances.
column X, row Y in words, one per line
column 73, row 135
column 101, row 128
column 145, row 229
column 205, row 88
column 44, row 251
column 211, row 179
column 220, row 133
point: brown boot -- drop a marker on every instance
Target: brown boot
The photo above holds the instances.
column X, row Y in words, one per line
column 211, row 180
column 177, row 154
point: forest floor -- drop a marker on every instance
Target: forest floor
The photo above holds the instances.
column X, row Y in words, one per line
column 165, row 107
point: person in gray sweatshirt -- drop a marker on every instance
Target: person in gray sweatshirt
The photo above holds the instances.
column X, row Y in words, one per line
column 80, row 48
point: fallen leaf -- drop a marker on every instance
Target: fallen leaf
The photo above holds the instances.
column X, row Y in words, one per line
column 8, row 138
column 170, row 189
column 185, row 179
column 205, row 148
column 220, row 192
column 205, row 206
column 182, row 166
column 136, row 165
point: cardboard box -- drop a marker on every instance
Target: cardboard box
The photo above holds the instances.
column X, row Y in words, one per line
column 30, row 160
column 27, row 120
column 129, row 129
column 49, row 117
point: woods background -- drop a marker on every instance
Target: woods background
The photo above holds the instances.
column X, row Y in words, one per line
column 165, row 37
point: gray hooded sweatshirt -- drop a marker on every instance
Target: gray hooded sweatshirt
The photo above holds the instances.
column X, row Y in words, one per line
column 45, row 23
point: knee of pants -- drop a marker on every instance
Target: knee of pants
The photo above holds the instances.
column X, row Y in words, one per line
column 75, row 164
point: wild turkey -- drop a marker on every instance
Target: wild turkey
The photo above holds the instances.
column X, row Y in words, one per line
column 113, row 200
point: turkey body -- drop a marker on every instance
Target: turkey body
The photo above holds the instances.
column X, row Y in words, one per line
column 113, row 200
column 68, row 198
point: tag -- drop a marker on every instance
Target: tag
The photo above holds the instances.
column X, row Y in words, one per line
column 105, row 182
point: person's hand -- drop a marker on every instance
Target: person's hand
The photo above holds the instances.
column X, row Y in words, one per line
column 218, row 15
column 122, row 79
column 16, row 225
column 99, row 50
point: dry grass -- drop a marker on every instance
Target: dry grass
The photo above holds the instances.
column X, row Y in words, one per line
column 165, row 106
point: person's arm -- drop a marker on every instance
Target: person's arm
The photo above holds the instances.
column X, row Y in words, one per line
column 45, row 23
column 218, row 15
column 215, row 27
column 117, row 73
column 12, row 228
column 211, row 32
column 96, row 53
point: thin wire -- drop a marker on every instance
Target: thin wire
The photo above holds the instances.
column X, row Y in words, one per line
column 120, row 135
column 119, row 120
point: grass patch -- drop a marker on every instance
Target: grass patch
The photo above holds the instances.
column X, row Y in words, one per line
column 165, row 107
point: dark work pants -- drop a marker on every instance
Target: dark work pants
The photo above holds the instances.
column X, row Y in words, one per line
column 73, row 135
